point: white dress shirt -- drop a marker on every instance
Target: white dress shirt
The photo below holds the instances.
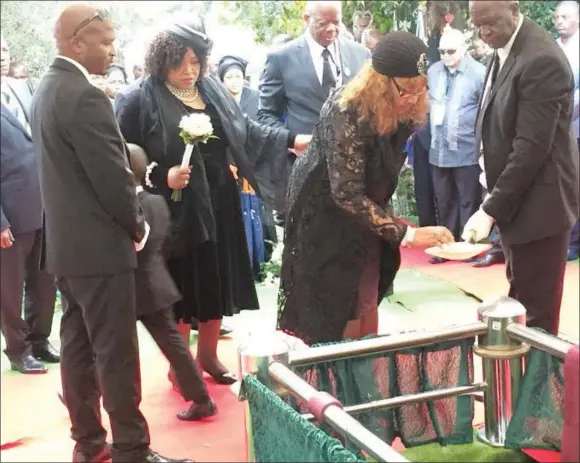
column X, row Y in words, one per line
column 318, row 61
column 78, row 65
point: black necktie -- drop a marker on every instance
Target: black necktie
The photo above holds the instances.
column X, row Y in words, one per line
column 495, row 69
column 328, row 82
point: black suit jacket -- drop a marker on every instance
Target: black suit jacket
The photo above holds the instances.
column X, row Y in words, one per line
column 154, row 286
column 20, row 201
column 92, row 216
column 529, row 149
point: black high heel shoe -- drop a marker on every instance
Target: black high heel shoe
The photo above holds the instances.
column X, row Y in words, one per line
column 197, row 412
column 226, row 378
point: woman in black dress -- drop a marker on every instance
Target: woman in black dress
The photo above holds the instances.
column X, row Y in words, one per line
column 207, row 255
column 341, row 248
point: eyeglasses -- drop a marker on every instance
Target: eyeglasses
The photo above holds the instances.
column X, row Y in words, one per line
column 447, row 52
column 99, row 14
column 404, row 94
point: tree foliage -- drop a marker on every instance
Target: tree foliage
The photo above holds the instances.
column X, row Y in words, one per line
column 267, row 18
column 28, row 25
column 541, row 12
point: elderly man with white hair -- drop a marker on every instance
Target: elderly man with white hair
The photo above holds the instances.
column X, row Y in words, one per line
column 455, row 86
column 298, row 77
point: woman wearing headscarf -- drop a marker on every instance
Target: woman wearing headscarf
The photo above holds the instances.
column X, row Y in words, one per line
column 341, row 248
column 207, row 255
column 258, row 217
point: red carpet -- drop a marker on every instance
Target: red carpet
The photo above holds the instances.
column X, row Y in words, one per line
column 36, row 428
column 491, row 281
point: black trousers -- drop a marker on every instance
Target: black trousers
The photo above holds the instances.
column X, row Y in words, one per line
column 99, row 343
column 162, row 328
column 494, row 240
column 574, row 243
column 458, row 196
column 424, row 192
column 20, row 270
column 535, row 272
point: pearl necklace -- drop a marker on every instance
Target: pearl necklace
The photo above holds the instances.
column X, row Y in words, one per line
column 187, row 95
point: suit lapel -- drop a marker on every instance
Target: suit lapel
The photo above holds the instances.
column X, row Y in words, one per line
column 346, row 57
column 501, row 78
column 24, row 105
column 505, row 70
column 308, row 67
column 11, row 118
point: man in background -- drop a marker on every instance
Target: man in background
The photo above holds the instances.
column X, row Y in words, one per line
column 566, row 20
column 298, row 77
column 21, row 235
column 138, row 72
column 455, row 86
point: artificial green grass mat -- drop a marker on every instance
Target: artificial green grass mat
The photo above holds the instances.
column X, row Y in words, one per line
column 474, row 452
column 413, row 289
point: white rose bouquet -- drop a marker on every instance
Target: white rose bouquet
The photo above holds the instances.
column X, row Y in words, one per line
column 195, row 128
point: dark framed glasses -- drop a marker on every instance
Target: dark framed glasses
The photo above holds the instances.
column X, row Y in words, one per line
column 100, row 14
column 405, row 94
column 450, row 51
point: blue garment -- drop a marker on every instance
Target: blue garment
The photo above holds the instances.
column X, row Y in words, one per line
column 453, row 99
column 20, row 198
column 251, row 208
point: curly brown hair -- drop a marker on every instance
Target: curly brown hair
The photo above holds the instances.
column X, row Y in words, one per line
column 166, row 52
column 378, row 101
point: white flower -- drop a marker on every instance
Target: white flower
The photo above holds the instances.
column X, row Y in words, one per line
column 197, row 125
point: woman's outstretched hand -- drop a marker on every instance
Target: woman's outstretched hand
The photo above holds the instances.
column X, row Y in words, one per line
column 301, row 142
column 178, row 177
column 428, row 237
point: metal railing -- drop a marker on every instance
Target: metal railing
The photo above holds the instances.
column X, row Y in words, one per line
column 336, row 417
column 503, row 340
column 383, row 344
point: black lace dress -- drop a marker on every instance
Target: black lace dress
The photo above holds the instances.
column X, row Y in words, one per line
column 340, row 242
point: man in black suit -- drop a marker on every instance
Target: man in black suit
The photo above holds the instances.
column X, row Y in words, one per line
column 524, row 128
column 92, row 224
column 20, row 233
column 298, row 77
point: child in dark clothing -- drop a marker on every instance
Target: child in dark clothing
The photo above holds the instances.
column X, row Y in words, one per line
column 156, row 293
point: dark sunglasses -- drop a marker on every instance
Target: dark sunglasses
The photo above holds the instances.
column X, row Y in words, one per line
column 99, row 14
column 447, row 52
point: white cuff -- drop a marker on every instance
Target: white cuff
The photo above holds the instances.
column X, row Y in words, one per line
column 409, row 236
column 150, row 168
column 139, row 246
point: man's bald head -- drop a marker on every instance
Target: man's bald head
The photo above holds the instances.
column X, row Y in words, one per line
column 84, row 33
column 496, row 20
column 567, row 19
column 138, row 161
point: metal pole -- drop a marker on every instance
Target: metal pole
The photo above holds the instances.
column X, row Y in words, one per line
column 336, row 417
column 502, row 362
column 384, row 344
column 399, row 401
column 542, row 341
